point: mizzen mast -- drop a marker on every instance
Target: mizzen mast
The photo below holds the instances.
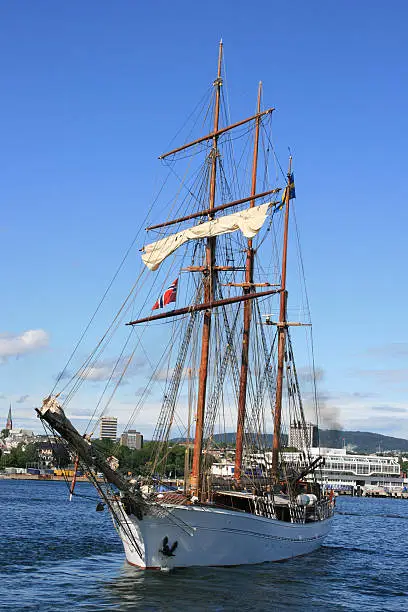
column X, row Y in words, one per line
column 282, row 326
column 208, row 295
column 248, row 288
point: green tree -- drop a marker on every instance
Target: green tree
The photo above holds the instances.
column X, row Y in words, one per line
column 21, row 456
column 403, row 465
column 105, row 446
column 135, row 461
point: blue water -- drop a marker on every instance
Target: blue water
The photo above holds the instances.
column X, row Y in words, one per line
column 56, row 555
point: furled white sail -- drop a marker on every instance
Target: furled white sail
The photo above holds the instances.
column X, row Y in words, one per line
column 249, row 221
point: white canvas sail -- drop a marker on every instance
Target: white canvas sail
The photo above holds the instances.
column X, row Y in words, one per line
column 249, row 221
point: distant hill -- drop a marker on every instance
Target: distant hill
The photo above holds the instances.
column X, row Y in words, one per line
column 229, row 438
column 362, row 441
column 359, row 441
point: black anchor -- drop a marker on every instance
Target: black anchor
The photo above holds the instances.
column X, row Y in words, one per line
column 166, row 550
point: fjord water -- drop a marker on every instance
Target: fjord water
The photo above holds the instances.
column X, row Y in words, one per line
column 57, row 555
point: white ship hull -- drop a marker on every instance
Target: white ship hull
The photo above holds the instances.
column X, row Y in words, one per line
column 213, row 536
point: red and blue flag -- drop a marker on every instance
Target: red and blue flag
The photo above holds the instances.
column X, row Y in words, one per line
column 168, row 296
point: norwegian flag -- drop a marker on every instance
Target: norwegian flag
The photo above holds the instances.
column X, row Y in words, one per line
column 168, row 296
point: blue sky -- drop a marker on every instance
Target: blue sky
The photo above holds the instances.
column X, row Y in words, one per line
column 93, row 92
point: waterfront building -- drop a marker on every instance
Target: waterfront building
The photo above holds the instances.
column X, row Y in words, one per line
column 344, row 471
column 341, row 471
column 132, row 439
column 108, row 428
column 52, row 454
column 45, row 455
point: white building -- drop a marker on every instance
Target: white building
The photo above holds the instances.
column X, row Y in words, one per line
column 108, row 428
column 132, row 439
column 223, row 469
column 344, row 471
column 341, row 471
column 301, row 437
column 18, row 436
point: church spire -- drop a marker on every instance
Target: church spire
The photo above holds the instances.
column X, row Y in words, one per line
column 9, row 424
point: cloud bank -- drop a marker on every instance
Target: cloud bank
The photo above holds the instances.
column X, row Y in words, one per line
column 15, row 345
column 106, row 369
column 22, row 399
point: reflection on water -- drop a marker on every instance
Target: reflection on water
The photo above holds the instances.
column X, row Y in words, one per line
column 57, row 555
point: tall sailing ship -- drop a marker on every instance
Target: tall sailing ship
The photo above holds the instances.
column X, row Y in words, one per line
column 226, row 359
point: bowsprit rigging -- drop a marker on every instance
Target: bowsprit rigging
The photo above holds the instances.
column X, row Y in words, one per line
column 226, row 358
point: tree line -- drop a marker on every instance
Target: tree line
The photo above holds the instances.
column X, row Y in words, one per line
column 130, row 460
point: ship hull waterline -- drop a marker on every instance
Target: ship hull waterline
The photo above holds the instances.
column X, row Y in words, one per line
column 216, row 537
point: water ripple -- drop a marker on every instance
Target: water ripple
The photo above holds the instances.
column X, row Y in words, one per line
column 57, row 555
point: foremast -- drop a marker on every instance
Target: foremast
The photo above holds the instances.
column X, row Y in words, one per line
column 282, row 326
column 248, row 288
column 209, row 279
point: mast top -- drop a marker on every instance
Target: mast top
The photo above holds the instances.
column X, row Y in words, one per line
column 218, row 80
column 289, row 172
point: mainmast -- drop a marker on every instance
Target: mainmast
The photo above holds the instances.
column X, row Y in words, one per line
column 248, row 288
column 281, row 337
column 208, row 295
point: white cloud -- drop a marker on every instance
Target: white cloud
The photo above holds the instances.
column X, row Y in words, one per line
column 387, row 409
column 21, row 344
column 392, row 349
column 383, row 376
column 103, row 369
column 354, row 412
column 388, row 425
column 306, row 374
column 22, row 399
column 99, row 372
column 166, row 373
